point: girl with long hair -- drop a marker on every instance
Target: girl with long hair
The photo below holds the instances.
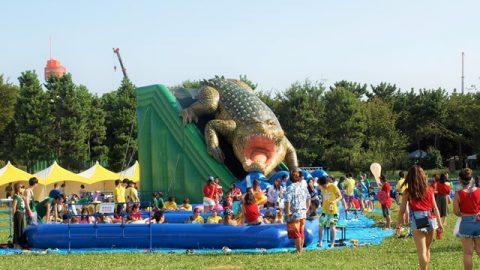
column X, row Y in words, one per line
column 275, row 194
column 466, row 205
column 424, row 214
column 19, row 222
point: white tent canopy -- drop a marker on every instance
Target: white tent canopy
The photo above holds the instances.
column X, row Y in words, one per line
column 132, row 173
column 472, row 157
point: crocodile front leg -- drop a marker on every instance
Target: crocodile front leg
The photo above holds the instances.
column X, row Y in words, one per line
column 212, row 130
column 207, row 103
column 291, row 155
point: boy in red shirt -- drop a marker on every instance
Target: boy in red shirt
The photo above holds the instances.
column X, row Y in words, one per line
column 385, row 200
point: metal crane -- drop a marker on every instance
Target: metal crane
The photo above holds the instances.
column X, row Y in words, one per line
column 124, row 70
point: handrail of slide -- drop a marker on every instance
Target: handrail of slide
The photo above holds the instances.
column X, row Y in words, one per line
column 98, row 213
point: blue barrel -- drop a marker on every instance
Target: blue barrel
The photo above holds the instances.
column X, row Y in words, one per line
column 174, row 236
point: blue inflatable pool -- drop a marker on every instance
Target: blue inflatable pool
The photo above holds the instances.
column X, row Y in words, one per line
column 175, row 236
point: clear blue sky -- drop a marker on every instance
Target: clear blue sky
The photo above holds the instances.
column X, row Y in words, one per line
column 410, row 43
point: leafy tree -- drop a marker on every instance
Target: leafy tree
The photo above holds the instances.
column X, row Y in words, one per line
column 384, row 143
column 458, row 132
column 301, row 114
column 31, row 119
column 7, row 143
column 273, row 102
column 358, row 89
column 433, row 160
column 418, row 113
column 96, row 130
column 344, row 129
column 68, row 141
column 429, row 110
column 121, row 122
column 383, row 91
column 8, row 98
column 191, row 84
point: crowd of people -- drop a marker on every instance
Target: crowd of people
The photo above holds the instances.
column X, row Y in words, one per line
column 290, row 199
column 57, row 207
column 423, row 205
column 238, row 208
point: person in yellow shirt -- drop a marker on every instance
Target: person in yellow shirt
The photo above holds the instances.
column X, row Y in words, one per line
column 186, row 206
column 170, row 204
column 260, row 197
column 126, row 185
column 119, row 196
column 349, row 186
column 331, row 195
column 131, row 193
column 196, row 218
column 214, row 218
column 400, row 187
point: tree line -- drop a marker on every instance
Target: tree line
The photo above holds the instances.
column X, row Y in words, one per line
column 350, row 125
column 66, row 122
column 346, row 126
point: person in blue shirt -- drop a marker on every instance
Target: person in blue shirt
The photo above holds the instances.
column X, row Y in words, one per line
column 362, row 187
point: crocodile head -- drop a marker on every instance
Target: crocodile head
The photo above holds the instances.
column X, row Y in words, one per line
column 258, row 145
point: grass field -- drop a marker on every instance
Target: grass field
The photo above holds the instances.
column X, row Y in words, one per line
column 393, row 253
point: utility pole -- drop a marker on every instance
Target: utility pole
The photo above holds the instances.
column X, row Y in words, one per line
column 50, row 47
column 124, row 70
column 463, row 75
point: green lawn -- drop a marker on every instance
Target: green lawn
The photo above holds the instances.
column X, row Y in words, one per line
column 393, row 253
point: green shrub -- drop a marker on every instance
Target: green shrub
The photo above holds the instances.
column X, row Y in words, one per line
column 433, row 160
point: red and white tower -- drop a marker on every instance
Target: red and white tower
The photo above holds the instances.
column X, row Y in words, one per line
column 54, row 67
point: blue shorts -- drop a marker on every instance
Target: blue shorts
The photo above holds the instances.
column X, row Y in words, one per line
column 469, row 227
column 417, row 215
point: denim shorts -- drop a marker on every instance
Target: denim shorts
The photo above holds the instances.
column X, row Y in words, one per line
column 432, row 222
column 469, row 227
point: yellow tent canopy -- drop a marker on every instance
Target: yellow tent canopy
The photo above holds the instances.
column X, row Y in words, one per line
column 132, row 173
column 97, row 173
column 10, row 173
column 55, row 173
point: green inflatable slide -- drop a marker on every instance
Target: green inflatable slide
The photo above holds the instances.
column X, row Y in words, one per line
column 173, row 157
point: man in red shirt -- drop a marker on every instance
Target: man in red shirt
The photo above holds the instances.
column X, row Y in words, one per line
column 209, row 195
